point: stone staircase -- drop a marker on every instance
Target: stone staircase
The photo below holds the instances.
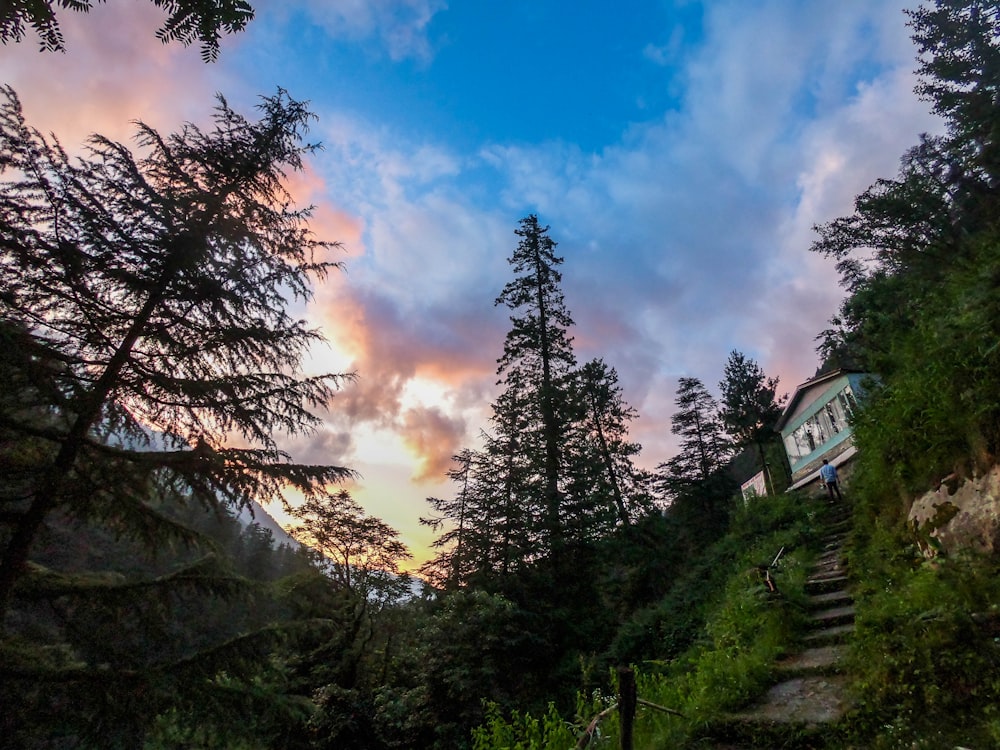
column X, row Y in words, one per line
column 804, row 708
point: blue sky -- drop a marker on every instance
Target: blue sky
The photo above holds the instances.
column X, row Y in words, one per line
column 680, row 151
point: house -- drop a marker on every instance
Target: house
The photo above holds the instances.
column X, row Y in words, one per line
column 816, row 423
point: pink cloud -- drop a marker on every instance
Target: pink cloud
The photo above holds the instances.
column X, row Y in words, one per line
column 435, row 437
column 113, row 72
column 328, row 221
column 390, row 347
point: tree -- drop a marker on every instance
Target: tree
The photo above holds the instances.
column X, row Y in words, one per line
column 464, row 542
column 557, row 467
column 607, row 479
column 906, row 234
column 359, row 556
column 750, row 409
column 704, row 448
column 918, row 258
column 537, row 365
column 959, row 70
column 360, row 553
column 188, row 21
column 145, row 322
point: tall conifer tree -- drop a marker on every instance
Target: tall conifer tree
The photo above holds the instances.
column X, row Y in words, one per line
column 750, row 407
column 704, row 448
column 537, row 365
column 145, row 323
column 608, row 484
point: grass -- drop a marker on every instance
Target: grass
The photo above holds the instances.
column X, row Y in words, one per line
column 746, row 629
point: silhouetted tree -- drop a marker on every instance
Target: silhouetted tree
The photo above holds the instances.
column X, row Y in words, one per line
column 188, row 21
column 606, row 484
column 359, row 553
column 750, row 408
column 537, row 365
column 145, row 316
column 704, row 447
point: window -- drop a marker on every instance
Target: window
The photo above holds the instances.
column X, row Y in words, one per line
column 831, row 419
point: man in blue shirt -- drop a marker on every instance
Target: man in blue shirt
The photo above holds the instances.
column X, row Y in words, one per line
column 828, row 474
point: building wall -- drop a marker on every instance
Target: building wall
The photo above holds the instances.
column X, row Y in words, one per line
column 820, row 425
column 754, row 487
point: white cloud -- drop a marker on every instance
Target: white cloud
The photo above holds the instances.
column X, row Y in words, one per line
column 400, row 26
column 684, row 239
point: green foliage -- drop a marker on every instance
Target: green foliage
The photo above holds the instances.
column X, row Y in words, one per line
column 741, row 629
column 523, row 732
column 920, row 259
column 939, row 411
column 925, row 655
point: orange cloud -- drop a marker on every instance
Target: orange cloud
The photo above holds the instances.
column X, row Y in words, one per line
column 328, row 222
column 453, row 353
column 435, row 437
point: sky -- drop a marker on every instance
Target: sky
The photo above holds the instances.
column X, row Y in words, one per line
column 680, row 151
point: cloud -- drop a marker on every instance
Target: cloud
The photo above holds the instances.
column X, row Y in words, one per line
column 400, row 26
column 435, row 437
column 689, row 237
column 669, row 53
column 322, row 448
column 114, row 71
column 390, row 347
column 684, row 238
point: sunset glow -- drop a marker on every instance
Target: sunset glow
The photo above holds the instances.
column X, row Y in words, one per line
column 681, row 166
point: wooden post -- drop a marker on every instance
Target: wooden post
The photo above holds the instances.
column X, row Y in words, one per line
column 626, row 705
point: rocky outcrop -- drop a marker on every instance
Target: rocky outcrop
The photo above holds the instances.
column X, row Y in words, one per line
column 959, row 515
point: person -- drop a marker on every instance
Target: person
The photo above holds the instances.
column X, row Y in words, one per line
column 828, row 474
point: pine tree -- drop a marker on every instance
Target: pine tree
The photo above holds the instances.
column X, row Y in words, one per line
column 750, row 408
column 144, row 316
column 481, row 531
column 556, row 469
column 609, row 485
column 537, row 366
column 448, row 569
column 704, row 447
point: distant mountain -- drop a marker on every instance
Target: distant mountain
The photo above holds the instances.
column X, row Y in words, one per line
column 247, row 516
column 263, row 519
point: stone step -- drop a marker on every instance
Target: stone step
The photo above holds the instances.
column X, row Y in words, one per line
column 826, row 618
column 832, row 555
column 838, row 528
column 801, row 712
column 829, row 635
column 817, row 660
column 828, row 599
column 826, row 568
column 820, row 581
column 823, row 698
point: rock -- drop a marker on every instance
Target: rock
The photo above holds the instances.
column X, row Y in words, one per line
column 959, row 516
